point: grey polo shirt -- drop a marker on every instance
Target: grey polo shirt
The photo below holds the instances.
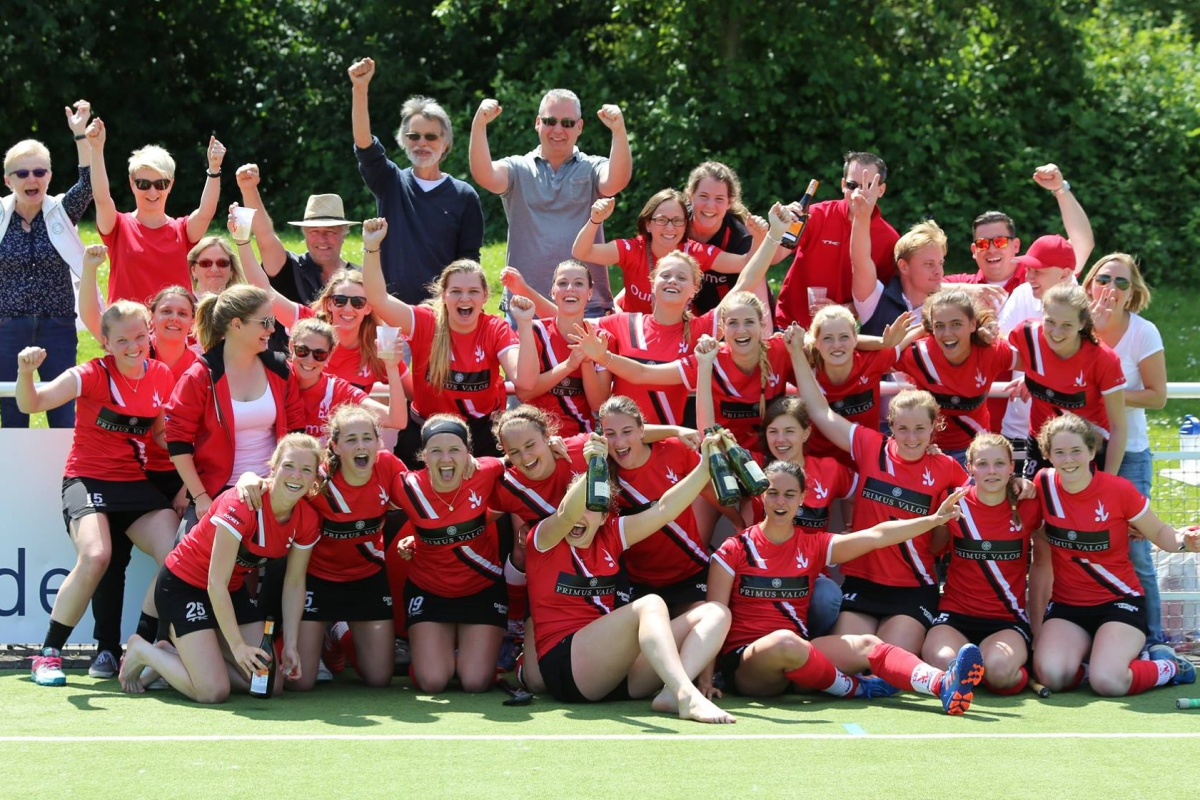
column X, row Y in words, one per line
column 545, row 211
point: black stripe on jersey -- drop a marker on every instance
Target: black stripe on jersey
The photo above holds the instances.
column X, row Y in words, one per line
column 883, row 457
column 632, row 320
column 1048, row 497
column 722, row 384
column 688, row 547
column 1072, row 539
column 114, row 421
column 930, row 378
column 957, row 402
column 506, row 483
column 351, row 528
column 544, row 356
column 767, row 588
column 732, row 410
column 1068, row 400
column 988, row 549
column 369, row 554
column 1011, row 604
column 584, row 586
column 853, row 404
column 792, row 617
column 894, row 496
column 809, row 517
column 660, row 410
column 139, row 453
column 1100, row 579
column 750, row 551
column 479, row 381
column 245, row 558
column 567, row 387
column 476, row 566
column 454, row 534
column 415, row 499
column 960, row 424
column 1035, row 363
column 916, row 568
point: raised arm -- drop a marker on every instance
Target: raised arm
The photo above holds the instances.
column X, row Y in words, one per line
column 284, row 309
column 835, row 427
column 395, row 413
column 77, row 121
column 675, row 500
column 863, row 277
column 706, row 355
column 361, row 73
column 1075, row 219
column 615, row 175
column 756, row 268
column 731, row 263
column 202, row 217
column 30, row 398
column 595, row 347
column 512, row 279
column 274, row 254
column 106, row 209
column 585, row 247
column 555, row 528
column 850, row 546
column 391, row 310
column 91, row 306
column 491, row 175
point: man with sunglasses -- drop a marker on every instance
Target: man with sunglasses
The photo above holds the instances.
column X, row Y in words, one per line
column 433, row 218
column 548, row 192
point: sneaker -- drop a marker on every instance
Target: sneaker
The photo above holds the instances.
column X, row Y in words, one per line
column 870, row 686
column 959, row 682
column 403, row 656
column 331, row 651
column 103, row 666
column 158, row 685
column 509, row 650
column 47, row 668
column 324, row 675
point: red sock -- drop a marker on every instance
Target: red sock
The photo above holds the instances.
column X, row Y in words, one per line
column 902, row 669
column 1017, row 688
column 819, row 673
column 1148, row 674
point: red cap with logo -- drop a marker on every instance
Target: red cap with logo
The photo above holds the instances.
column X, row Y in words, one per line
column 1049, row 252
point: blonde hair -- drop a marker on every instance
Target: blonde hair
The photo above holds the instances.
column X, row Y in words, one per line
column 826, row 315
column 910, row 399
column 1012, row 490
column 434, row 420
column 236, row 276
column 764, row 365
column 368, row 354
column 1074, row 297
column 523, row 415
column 957, row 298
column 439, row 351
column 920, row 235
column 119, row 312
column 152, row 157
column 343, row 415
column 697, row 277
column 313, row 325
column 23, row 149
column 216, row 311
column 1139, row 292
column 302, row 442
column 722, row 173
column 1067, row 423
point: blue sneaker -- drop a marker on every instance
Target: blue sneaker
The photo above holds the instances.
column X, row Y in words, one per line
column 1185, row 671
column 959, row 682
column 870, row 686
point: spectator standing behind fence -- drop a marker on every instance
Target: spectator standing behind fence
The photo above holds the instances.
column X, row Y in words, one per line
column 41, row 258
column 147, row 250
column 548, row 192
column 435, row 218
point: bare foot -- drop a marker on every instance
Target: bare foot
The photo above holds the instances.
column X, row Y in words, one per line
column 695, row 706
column 665, row 702
column 149, row 674
column 131, row 666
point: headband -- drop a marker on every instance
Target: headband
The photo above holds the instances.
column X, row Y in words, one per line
column 444, row 426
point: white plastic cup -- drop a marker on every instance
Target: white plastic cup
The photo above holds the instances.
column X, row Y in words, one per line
column 242, row 219
column 816, row 294
column 385, row 338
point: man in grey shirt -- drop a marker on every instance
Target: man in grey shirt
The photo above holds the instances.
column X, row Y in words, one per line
column 548, row 192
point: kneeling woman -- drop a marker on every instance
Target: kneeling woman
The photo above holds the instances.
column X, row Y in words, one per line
column 590, row 650
column 202, row 586
column 1097, row 611
column 764, row 573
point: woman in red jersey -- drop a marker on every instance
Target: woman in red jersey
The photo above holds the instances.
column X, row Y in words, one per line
column 1097, row 611
column 457, row 349
column 590, row 650
column 891, row 592
column 201, row 589
column 764, row 575
column 105, row 492
column 984, row 598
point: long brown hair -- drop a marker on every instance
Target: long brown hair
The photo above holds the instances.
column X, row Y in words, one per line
column 368, row 355
column 723, row 173
column 697, row 276
column 957, row 298
column 439, row 352
column 1012, row 490
column 216, row 311
column 764, row 365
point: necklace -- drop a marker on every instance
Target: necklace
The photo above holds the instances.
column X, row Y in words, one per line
column 438, row 495
column 133, row 387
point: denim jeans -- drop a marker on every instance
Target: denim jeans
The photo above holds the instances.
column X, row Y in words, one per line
column 1138, row 469
column 824, row 606
column 57, row 336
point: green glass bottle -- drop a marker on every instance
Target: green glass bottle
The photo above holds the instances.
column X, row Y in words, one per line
column 262, row 682
column 723, row 481
column 749, row 474
column 597, row 484
column 791, row 237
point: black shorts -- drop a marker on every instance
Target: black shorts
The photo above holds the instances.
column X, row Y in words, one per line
column 879, row 600
column 487, row 607
column 692, row 589
column 1130, row 610
column 189, row 608
column 167, row 481
column 976, row 629
column 365, row 599
column 559, row 677
column 123, row 502
column 727, row 666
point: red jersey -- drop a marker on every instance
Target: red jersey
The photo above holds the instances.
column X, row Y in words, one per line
column 736, row 394
column 1089, row 538
column 566, row 402
column 157, row 459
column 637, row 262
column 989, row 560
column 261, row 538
column 857, row 399
column 531, row 500
column 113, row 418
column 570, row 587
column 825, row 480
column 346, row 363
column 641, row 338
column 351, row 545
column 1077, row 384
column 961, row 390
column 322, row 399
column 892, row 488
column 473, row 387
column 772, row 583
column 676, row 551
column 144, row 260
column 457, row 549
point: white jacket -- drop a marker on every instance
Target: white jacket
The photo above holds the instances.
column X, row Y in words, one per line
column 63, row 235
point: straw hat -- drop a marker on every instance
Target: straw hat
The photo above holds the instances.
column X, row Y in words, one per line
column 324, row 210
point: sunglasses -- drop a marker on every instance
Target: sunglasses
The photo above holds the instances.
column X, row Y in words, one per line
column 208, row 263
column 340, row 300
column 675, row 222
column 267, row 322
column 998, row 242
column 566, row 122
column 851, row 185
column 303, row 351
column 413, row 136
column 141, row 184
column 22, row 174
column 1104, row 280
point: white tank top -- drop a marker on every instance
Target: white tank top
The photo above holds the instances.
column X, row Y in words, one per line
column 254, row 433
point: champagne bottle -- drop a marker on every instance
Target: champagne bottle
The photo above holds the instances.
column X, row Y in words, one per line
column 791, row 237
column 723, row 481
column 749, row 474
column 597, row 484
column 262, row 682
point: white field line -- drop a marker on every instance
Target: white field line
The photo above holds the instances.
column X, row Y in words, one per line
column 581, row 737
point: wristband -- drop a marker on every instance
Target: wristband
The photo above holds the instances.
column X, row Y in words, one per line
column 376, row 250
column 1066, row 187
column 595, row 222
column 774, row 241
column 212, row 174
column 79, row 137
column 197, row 497
column 239, row 244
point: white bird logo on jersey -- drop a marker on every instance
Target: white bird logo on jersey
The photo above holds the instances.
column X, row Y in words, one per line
column 980, row 381
column 365, row 371
column 820, row 490
column 384, row 499
column 927, row 478
column 478, row 353
column 671, row 476
column 608, row 558
column 773, row 380
column 1079, row 381
column 801, row 561
column 156, row 399
column 683, row 347
column 863, row 379
column 1014, row 527
column 1101, row 512
column 475, row 499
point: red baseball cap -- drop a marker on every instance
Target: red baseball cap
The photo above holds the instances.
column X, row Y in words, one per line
column 1049, row 252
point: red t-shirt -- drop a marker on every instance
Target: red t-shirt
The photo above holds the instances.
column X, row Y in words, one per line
column 960, row 389
column 351, row 545
column 346, row 362
column 262, row 538
column 989, row 559
column 736, row 394
column 676, row 552
column 892, row 488
column 637, row 262
column 857, row 399
column 642, row 338
column 825, row 480
column 772, row 583
column 566, row 402
column 145, row 260
column 1077, row 384
column 1089, row 538
column 533, row 501
column 457, row 551
column 473, row 387
column 323, row 398
column 113, row 422
column 570, row 587
column 157, row 459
